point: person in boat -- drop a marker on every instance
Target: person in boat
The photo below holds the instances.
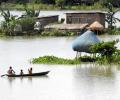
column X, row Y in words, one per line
column 30, row 71
column 11, row 71
column 21, row 72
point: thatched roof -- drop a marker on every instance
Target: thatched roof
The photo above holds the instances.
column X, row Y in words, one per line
column 83, row 42
column 96, row 26
column 66, row 26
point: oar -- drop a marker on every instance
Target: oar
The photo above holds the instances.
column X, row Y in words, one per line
column 4, row 75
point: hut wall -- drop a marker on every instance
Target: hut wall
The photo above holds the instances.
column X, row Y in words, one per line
column 81, row 18
column 47, row 20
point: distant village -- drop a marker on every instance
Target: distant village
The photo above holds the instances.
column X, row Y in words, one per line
column 73, row 21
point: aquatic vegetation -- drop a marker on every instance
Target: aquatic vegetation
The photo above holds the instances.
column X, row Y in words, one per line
column 106, row 52
column 103, row 53
column 54, row 60
column 115, row 31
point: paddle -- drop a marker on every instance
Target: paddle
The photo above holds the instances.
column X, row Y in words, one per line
column 4, row 75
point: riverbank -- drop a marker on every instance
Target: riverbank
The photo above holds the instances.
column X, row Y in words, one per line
column 58, row 33
column 12, row 6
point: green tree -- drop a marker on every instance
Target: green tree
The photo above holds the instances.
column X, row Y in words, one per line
column 105, row 49
column 110, row 19
column 30, row 12
column 9, row 22
column 28, row 19
column 60, row 3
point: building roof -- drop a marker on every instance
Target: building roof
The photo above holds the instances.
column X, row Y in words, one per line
column 86, row 11
column 47, row 16
column 83, row 42
column 66, row 26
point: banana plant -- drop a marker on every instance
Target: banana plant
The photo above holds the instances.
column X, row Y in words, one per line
column 9, row 21
column 30, row 12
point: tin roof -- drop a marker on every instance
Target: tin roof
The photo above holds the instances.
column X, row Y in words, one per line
column 66, row 26
column 86, row 11
column 47, row 16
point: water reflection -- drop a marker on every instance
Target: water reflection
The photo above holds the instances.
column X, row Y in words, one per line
column 22, row 79
column 94, row 81
column 95, row 70
column 10, row 80
column 82, row 82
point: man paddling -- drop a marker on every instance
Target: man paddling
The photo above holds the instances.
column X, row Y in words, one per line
column 11, row 71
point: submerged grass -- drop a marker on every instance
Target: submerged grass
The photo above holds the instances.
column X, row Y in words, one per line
column 54, row 60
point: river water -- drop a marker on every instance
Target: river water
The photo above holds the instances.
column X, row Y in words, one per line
column 64, row 82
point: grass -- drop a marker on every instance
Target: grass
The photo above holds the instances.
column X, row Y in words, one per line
column 12, row 6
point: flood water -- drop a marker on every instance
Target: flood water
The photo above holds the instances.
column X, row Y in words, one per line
column 64, row 82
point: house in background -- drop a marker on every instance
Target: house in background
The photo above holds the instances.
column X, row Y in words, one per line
column 81, row 17
column 45, row 20
column 78, row 21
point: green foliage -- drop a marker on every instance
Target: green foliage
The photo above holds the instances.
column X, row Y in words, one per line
column 27, row 23
column 53, row 60
column 30, row 12
column 60, row 3
column 114, row 31
column 8, row 25
column 110, row 19
column 105, row 48
column 44, row 6
column 107, row 51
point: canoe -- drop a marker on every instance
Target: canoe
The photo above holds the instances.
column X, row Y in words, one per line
column 25, row 75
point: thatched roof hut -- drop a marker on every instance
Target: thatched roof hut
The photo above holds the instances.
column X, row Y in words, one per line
column 83, row 42
column 96, row 26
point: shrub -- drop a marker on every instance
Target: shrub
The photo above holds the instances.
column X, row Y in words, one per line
column 27, row 23
column 107, row 51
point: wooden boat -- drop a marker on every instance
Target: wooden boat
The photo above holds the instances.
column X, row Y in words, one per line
column 25, row 75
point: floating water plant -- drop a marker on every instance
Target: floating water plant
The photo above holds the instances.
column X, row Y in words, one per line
column 53, row 60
